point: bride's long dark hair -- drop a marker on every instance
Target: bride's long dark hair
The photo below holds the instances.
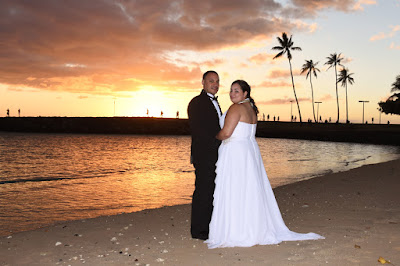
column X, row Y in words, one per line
column 246, row 87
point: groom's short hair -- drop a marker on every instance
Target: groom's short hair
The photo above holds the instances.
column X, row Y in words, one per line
column 208, row 72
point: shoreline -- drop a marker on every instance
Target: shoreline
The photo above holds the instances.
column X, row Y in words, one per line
column 383, row 134
column 6, row 233
column 357, row 211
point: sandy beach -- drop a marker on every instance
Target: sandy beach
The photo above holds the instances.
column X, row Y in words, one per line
column 357, row 211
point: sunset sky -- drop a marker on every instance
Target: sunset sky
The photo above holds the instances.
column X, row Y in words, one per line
column 100, row 58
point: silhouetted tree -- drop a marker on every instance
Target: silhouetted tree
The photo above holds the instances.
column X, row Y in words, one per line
column 396, row 84
column 334, row 60
column 345, row 77
column 310, row 67
column 286, row 45
column 392, row 104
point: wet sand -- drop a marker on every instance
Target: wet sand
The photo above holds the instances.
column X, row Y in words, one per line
column 358, row 212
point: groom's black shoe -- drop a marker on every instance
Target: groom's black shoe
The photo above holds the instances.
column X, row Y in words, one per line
column 201, row 235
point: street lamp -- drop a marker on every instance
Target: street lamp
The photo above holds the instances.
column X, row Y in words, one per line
column 291, row 110
column 379, row 110
column 317, row 110
column 363, row 109
column 380, row 113
column 114, row 106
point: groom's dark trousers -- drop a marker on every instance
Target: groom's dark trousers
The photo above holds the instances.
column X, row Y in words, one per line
column 204, row 126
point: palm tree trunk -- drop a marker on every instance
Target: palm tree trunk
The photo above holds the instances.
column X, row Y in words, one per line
column 337, row 96
column 347, row 107
column 294, row 91
column 312, row 97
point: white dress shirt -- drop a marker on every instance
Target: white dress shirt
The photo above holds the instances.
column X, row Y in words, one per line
column 215, row 103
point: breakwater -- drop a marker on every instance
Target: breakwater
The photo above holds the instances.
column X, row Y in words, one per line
column 358, row 133
column 96, row 125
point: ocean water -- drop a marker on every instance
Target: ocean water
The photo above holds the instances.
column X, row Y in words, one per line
column 49, row 178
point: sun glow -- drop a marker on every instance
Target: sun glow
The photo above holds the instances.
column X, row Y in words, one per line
column 148, row 102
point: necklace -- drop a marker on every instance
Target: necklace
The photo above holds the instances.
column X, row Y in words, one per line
column 244, row 101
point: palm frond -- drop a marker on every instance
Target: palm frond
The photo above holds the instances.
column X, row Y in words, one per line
column 315, row 72
column 334, row 60
column 279, row 55
column 286, row 44
column 281, row 41
column 345, row 77
column 285, row 38
column 309, row 66
column 277, row 48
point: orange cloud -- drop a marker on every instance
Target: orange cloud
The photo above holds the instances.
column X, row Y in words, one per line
column 262, row 58
column 213, row 63
column 280, row 73
column 285, row 100
column 394, row 47
column 107, row 47
column 360, row 3
column 270, row 84
column 326, row 97
column 347, row 60
column 378, row 37
column 383, row 35
column 301, row 25
column 312, row 6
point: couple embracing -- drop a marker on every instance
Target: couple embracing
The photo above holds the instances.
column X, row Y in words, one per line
column 233, row 203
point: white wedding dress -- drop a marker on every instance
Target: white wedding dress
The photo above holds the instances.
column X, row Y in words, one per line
column 245, row 210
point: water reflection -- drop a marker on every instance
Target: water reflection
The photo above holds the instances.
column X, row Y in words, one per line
column 83, row 176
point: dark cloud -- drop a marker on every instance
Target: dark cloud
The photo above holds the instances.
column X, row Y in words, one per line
column 115, row 45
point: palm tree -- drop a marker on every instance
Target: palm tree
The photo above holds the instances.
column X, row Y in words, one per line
column 310, row 67
column 335, row 60
column 286, row 45
column 344, row 78
column 396, row 84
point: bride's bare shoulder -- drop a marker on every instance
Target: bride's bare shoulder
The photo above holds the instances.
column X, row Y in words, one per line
column 234, row 110
column 235, row 107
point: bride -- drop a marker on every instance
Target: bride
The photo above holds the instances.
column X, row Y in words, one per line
column 245, row 210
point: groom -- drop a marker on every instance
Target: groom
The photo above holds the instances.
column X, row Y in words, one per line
column 204, row 113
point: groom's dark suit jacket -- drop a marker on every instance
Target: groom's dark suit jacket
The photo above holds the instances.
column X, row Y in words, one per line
column 204, row 126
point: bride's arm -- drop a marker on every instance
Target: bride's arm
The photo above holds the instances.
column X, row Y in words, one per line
column 231, row 120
